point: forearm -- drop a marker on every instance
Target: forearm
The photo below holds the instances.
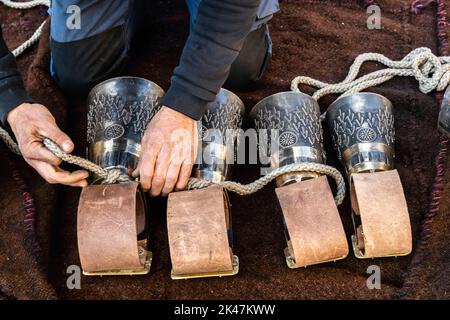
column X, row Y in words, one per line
column 217, row 38
column 12, row 92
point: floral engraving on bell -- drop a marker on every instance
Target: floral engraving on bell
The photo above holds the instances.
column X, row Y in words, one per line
column 303, row 120
column 222, row 118
column 349, row 125
column 134, row 115
column 287, row 139
column 114, row 131
column 366, row 134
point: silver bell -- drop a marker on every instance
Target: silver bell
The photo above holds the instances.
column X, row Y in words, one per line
column 119, row 111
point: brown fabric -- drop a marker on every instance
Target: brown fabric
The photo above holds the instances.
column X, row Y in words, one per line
column 197, row 223
column 318, row 38
column 313, row 222
column 107, row 228
column 379, row 201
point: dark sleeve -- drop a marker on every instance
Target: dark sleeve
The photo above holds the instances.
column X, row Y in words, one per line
column 12, row 92
column 214, row 43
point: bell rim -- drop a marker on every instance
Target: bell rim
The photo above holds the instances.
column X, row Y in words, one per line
column 333, row 105
column 253, row 111
column 234, row 95
column 95, row 88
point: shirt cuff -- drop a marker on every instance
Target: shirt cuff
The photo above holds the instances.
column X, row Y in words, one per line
column 179, row 99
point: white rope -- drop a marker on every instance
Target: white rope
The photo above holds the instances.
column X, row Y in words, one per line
column 36, row 35
column 246, row 189
column 432, row 73
column 115, row 175
column 108, row 176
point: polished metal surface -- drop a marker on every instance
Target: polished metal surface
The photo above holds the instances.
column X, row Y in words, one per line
column 119, row 111
column 362, row 127
column 444, row 115
column 291, row 122
column 220, row 128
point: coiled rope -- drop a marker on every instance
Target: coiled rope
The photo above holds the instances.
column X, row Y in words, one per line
column 432, row 73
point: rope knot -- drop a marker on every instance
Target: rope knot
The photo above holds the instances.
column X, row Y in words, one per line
column 115, row 175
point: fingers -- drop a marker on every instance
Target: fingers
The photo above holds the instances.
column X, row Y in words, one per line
column 171, row 178
column 35, row 150
column 146, row 167
column 161, row 167
column 55, row 134
column 54, row 175
column 183, row 177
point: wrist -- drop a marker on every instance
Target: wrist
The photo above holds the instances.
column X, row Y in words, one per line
column 14, row 114
column 175, row 113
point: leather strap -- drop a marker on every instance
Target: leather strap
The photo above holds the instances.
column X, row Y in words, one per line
column 379, row 203
column 109, row 217
column 313, row 224
column 197, row 223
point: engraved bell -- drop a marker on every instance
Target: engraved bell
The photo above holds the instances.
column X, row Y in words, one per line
column 219, row 130
column 119, row 110
column 362, row 128
column 444, row 115
column 289, row 122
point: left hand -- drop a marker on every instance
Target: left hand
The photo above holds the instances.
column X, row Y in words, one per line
column 169, row 150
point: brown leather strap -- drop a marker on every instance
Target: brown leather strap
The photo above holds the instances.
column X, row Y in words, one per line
column 108, row 217
column 313, row 222
column 379, row 201
column 197, row 223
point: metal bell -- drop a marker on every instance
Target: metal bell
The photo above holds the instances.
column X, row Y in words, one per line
column 362, row 128
column 220, row 127
column 313, row 227
column 111, row 222
column 294, row 119
column 444, row 114
column 119, row 111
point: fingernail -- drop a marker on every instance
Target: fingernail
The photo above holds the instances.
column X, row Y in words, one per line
column 67, row 146
column 164, row 194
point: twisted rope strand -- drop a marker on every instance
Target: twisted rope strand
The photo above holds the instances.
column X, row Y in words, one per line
column 246, row 189
column 115, row 175
column 37, row 34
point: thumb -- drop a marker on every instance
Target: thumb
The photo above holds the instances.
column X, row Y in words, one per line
column 59, row 137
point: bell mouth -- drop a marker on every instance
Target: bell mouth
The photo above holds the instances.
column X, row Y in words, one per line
column 278, row 97
column 224, row 97
column 361, row 102
column 131, row 84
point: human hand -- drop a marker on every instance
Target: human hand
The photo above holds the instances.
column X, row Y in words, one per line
column 169, row 148
column 31, row 123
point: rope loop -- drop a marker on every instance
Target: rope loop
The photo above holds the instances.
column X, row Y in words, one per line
column 431, row 72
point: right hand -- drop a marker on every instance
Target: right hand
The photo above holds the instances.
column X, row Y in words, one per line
column 31, row 123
